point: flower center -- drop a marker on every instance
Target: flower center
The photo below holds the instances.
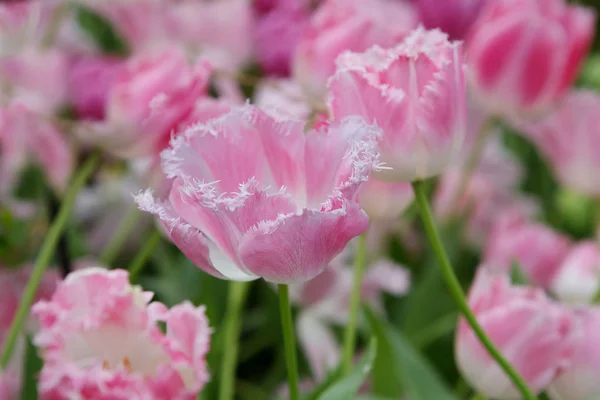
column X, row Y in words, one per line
column 125, row 363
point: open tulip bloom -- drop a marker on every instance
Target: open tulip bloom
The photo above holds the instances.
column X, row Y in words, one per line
column 221, row 150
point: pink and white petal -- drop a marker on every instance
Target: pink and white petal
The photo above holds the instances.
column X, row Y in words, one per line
column 297, row 247
column 339, row 157
column 321, row 349
column 385, row 275
column 189, row 334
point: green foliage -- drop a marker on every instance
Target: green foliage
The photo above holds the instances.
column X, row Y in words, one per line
column 31, row 369
column 412, row 374
column 347, row 387
column 101, row 31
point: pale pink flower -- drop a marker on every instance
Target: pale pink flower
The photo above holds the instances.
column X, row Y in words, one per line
column 266, row 199
column 580, row 380
column 284, row 97
column 568, row 138
column 26, row 136
column 340, row 25
column 36, row 78
column 415, row 93
column 100, row 338
column 525, row 54
column 385, row 200
column 455, row 17
column 277, row 35
column 325, row 301
column 220, row 31
column 535, row 335
column 578, row 279
column 90, row 80
column 152, row 95
column 536, row 249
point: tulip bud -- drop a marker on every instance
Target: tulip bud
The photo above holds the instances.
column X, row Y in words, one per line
column 525, row 54
column 534, row 334
column 415, row 93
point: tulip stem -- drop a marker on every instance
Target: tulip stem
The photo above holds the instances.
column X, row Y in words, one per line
column 120, row 236
column 142, row 256
column 289, row 341
column 458, row 294
column 235, row 301
column 360, row 262
column 44, row 256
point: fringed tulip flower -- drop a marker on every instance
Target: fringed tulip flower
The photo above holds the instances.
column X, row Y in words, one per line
column 535, row 248
column 535, row 335
column 415, row 93
column 254, row 196
column 325, row 301
column 27, row 136
column 340, row 25
column 569, row 138
column 580, row 380
column 525, row 54
column 100, row 338
column 90, row 80
column 283, row 97
column 152, row 95
column 455, row 17
column 578, row 279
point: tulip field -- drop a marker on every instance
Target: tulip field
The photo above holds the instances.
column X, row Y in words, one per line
column 299, row 200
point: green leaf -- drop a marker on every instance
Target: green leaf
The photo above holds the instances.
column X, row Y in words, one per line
column 101, row 31
column 517, row 275
column 31, row 369
column 347, row 387
column 418, row 378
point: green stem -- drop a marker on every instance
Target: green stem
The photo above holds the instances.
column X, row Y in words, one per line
column 289, row 341
column 43, row 259
column 458, row 294
column 350, row 332
column 119, row 237
column 143, row 255
column 233, row 323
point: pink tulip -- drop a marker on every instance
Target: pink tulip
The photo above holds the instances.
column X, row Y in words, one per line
column 26, row 136
column 340, row 25
column 578, row 279
column 537, row 249
column 153, row 93
column 455, row 17
column 219, row 31
column 100, row 339
column 283, row 97
column 257, row 197
column 535, row 335
column 415, row 93
column 89, row 82
column 385, row 200
column 525, row 54
column 277, row 34
column 568, row 138
column 35, row 78
column 580, row 380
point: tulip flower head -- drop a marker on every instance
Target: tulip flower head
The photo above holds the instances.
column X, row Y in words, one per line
column 580, row 380
column 535, row 335
column 525, row 54
column 254, row 196
column 100, row 339
column 578, row 279
column 415, row 93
